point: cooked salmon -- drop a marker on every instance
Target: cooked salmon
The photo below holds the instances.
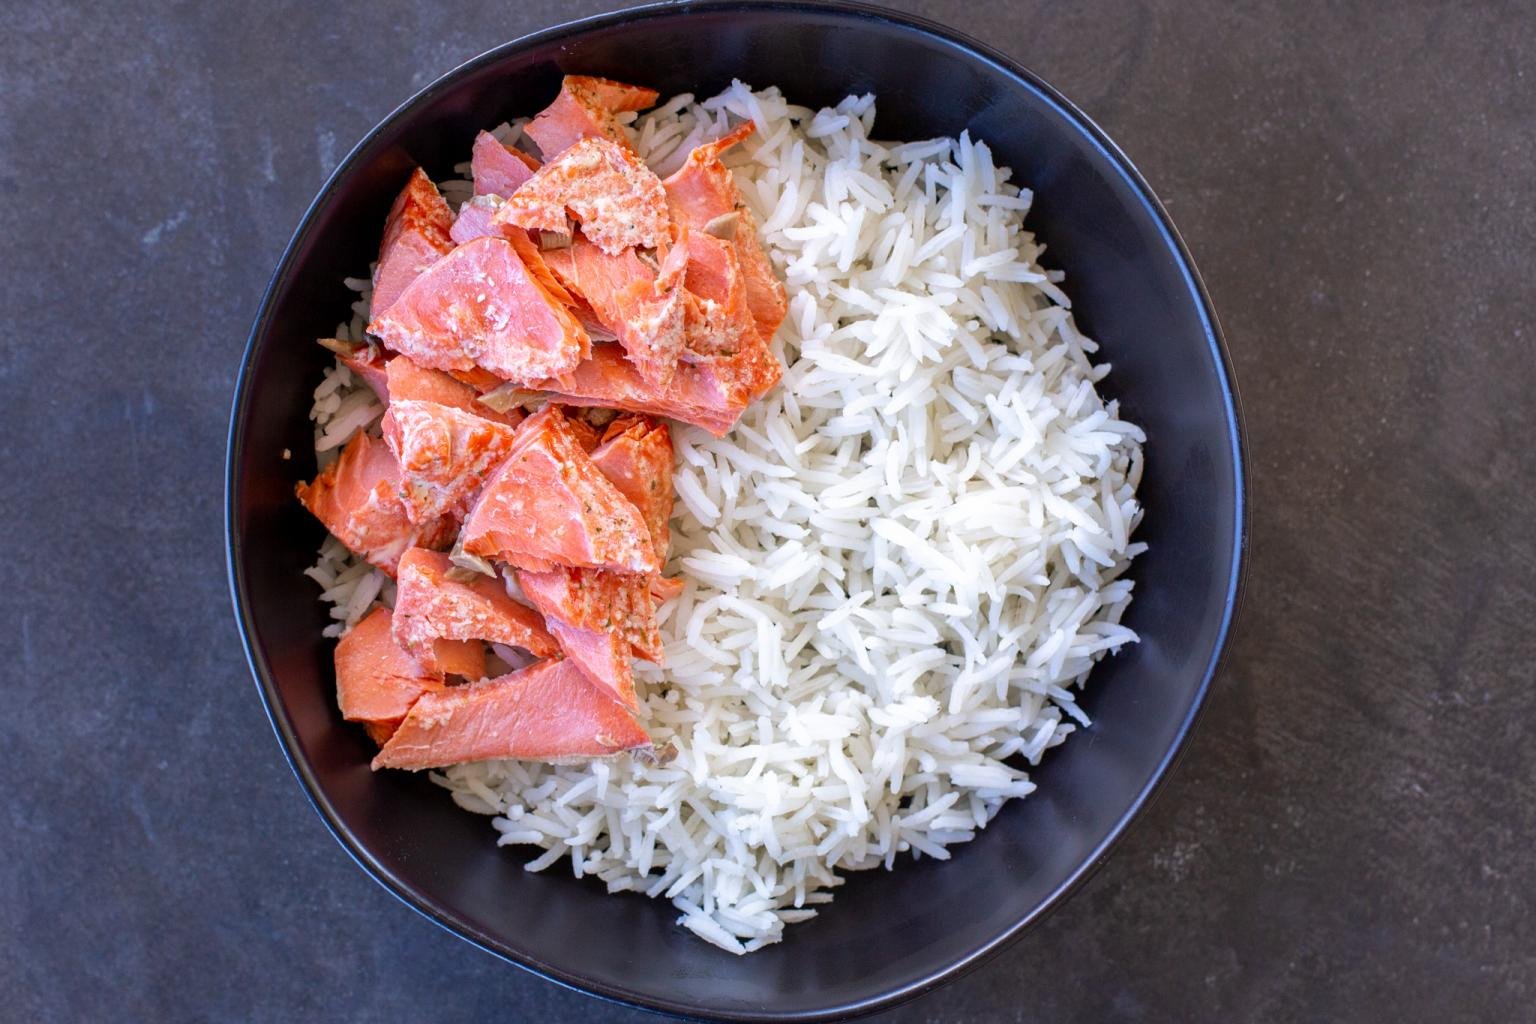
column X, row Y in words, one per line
column 479, row 306
column 416, row 235
column 549, row 505
column 666, row 588
column 367, row 364
column 433, row 609
column 498, row 170
column 636, row 454
column 641, row 306
column 357, row 497
column 616, row 198
column 599, row 600
column 585, row 433
column 700, row 193
column 603, row 657
column 445, row 455
column 584, row 109
column 718, row 321
column 547, row 711
column 376, row 680
column 407, row 380
column 711, row 394
column 474, row 220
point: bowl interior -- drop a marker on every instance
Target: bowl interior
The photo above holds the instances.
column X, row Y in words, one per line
column 886, row 935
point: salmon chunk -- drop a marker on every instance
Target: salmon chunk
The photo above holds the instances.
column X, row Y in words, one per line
column 415, row 237
column 479, row 306
column 445, row 455
column 711, row 394
column 474, row 220
column 547, row 711
column 377, row 681
column 618, row 201
column 357, row 497
column 584, row 109
column 596, row 599
column 498, row 170
column 407, row 380
column 641, row 306
column 549, row 505
column 699, row 194
column 432, row 608
column 636, row 454
column 603, row 657
column 367, row 364
column 717, row 319
column 666, row 588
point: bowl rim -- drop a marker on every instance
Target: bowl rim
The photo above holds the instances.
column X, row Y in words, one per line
column 854, row 11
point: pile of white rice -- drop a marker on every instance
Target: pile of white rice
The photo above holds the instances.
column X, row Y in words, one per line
column 899, row 564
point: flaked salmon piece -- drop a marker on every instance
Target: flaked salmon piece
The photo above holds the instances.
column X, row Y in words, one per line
column 367, row 363
column 474, row 219
column 479, row 306
column 603, row 657
column 636, row 454
column 666, row 588
column 641, row 306
column 617, row 199
column 717, row 319
column 380, row 732
column 481, row 380
column 357, row 497
column 547, row 711
column 584, row 109
column 408, row 380
column 433, row 608
column 585, row 434
column 445, row 455
column 599, row 600
column 549, row 505
column 711, row 394
column 376, row 680
column 498, row 170
column 700, row 193
column 460, row 658
column 416, row 235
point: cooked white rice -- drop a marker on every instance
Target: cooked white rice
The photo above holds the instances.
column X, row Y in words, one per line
column 898, row 566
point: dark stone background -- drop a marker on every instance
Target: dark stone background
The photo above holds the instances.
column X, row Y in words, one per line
column 1350, row 836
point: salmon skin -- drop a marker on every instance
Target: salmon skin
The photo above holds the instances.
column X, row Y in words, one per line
column 584, row 109
column 480, row 307
column 548, row 711
column 432, row 607
column 416, row 235
column 616, row 198
column 549, row 505
column 357, row 497
column 376, row 680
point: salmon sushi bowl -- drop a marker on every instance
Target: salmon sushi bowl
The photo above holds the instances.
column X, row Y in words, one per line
column 722, row 497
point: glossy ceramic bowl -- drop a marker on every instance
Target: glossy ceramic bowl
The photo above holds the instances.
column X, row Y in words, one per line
column 887, row 936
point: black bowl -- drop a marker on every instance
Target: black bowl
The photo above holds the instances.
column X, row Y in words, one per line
column 887, row 936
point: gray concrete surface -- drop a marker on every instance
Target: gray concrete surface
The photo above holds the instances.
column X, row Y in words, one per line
column 1350, row 836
